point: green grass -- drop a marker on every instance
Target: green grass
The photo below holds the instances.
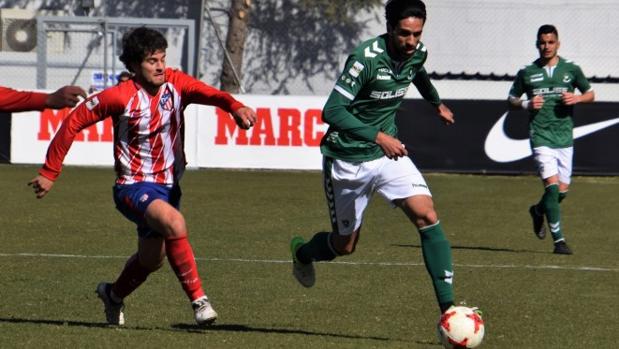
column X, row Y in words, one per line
column 54, row 251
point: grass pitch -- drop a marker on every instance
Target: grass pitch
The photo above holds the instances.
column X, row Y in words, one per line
column 54, row 251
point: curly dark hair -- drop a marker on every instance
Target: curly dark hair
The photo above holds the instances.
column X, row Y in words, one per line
column 139, row 43
column 396, row 10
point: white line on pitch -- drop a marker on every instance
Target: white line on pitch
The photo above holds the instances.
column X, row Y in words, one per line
column 386, row 264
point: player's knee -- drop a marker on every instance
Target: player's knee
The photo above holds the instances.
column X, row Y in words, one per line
column 426, row 218
column 152, row 263
column 343, row 245
column 345, row 250
column 154, row 266
column 175, row 225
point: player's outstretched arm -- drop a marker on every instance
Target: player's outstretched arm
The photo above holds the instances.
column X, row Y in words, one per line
column 41, row 186
column 66, row 96
column 245, row 117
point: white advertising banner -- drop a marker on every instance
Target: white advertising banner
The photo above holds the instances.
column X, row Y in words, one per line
column 286, row 136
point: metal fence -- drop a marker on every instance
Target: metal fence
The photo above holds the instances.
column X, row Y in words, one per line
column 85, row 50
column 297, row 50
column 289, row 52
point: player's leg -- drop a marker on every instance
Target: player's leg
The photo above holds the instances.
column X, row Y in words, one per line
column 564, row 160
column 547, row 168
column 549, row 163
column 565, row 156
column 401, row 184
column 435, row 247
column 347, row 189
column 170, row 223
column 130, row 201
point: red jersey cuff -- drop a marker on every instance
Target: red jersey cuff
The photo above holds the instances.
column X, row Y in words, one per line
column 48, row 173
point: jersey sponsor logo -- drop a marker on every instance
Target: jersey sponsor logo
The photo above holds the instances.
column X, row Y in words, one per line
column 549, row 90
column 500, row 147
column 383, row 77
column 388, row 94
column 92, row 103
column 356, row 69
column 385, row 70
column 372, row 51
column 536, row 77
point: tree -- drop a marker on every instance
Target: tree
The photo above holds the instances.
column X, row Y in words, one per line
column 291, row 39
column 235, row 44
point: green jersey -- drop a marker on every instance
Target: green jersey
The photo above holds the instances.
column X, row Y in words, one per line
column 366, row 97
column 551, row 125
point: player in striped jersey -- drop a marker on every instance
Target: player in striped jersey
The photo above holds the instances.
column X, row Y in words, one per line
column 15, row 101
column 363, row 156
column 147, row 113
column 550, row 83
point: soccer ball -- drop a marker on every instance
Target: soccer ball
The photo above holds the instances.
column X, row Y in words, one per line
column 461, row 327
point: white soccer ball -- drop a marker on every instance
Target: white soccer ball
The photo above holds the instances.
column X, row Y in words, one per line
column 461, row 327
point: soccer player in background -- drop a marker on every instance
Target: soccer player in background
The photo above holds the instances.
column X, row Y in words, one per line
column 15, row 101
column 549, row 83
column 362, row 154
column 147, row 113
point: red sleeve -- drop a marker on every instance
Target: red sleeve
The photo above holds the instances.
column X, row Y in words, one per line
column 195, row 91
column 15, row 101
column 91, row 111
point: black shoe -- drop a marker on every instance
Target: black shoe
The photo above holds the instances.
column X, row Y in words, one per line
column 538, row 223
column 562, row 248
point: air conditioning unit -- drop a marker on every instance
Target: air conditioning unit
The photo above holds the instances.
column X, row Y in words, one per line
column 18, row 29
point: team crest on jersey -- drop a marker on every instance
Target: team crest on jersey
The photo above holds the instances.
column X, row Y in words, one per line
column 356, row 69
column 166, row 101
column 567, row 78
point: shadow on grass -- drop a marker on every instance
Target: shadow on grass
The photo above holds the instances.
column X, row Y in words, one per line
column 245, row 328
column 190, row 328
column 55, row 322
column 478, row 248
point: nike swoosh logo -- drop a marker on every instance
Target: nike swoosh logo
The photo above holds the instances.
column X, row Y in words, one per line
column 500, row 147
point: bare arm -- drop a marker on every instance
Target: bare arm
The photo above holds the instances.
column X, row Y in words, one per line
column 67, row 96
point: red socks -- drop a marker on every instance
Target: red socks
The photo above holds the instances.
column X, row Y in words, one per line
column 132, row 276
column 180, row 256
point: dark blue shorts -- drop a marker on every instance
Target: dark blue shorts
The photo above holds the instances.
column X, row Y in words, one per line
column 133, row 199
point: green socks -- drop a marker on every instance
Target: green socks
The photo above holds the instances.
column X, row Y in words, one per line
column 549, row 204
column 437, row 258
column 317, row 249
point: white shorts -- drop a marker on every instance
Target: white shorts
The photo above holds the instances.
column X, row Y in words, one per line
column 350, row 185
column 551, row 162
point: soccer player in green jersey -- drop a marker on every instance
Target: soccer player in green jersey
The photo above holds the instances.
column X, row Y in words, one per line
column 362, row 154
column 549, row 83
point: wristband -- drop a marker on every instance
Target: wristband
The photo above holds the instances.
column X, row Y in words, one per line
column 525, row 104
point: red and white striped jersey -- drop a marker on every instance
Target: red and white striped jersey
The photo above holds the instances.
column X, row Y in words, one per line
column 148, row 130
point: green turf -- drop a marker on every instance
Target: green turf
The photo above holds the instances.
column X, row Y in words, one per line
column 54, row 251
